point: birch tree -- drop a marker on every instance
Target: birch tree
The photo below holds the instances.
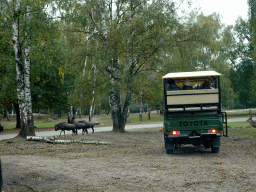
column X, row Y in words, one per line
column 12, row 12
column 28, row 128
column 93, row 93
column 128, row 37
column 133, row 38
column 17, row 17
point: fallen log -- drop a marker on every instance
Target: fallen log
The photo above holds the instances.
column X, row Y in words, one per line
column 55, row 141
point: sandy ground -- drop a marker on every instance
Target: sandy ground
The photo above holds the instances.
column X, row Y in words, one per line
column 134, row 161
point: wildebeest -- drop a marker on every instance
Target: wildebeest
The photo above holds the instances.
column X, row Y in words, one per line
column 66, row 127
column 88, row 125
column 81, row 125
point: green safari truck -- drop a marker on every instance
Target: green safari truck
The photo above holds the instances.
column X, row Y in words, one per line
column 193, row 110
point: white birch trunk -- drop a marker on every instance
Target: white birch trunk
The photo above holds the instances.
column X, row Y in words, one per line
column 85, row 62
column 79, row 110
column 39, row 113
column 128, row 116
column 27, row 65
column 93, row 93
column 80, row 107
column 18, row 60
column 23, row 75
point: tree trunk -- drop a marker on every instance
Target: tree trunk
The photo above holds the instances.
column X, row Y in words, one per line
column 71, row 110
column 74, row 112
column 119, row 116
column 80, row 111
column 19, row 70
column 127, row 103
column 39, row 113
column 69, row 113
column 28, row 129
column 148, row 110
column 8, row 116
column 12, row 110
column 115, row 98
column 141, row 108
column 93, row 93
column 17, row 110
column 59, row 113
column 128, row 116
column 116, row 110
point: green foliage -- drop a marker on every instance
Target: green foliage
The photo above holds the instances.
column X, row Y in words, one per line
column 252, row 24
column 252, row 31
column 7, row 66
column 242, row 73
column 145, row 38
column 50, row 78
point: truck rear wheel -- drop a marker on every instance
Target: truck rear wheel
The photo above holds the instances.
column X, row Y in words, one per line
column 169, row 151
column 215, row 149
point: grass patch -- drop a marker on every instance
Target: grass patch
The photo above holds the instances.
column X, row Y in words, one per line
column 9, row 126
column 240, row 113
column 134, row 119
column 38, row 125
column 241, row 131
column 45, row 125
column 241, row 128
column 240, row 124
column 103, row 119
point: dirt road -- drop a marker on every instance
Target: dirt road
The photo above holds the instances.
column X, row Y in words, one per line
column 134, row 161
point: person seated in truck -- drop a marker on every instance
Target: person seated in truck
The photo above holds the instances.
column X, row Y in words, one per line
column 172, row 86
column 205, row 85
column 186, row 85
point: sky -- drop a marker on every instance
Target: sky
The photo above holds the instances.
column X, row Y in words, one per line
column 229, row 10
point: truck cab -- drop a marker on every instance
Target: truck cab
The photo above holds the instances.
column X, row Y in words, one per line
column 193, row 113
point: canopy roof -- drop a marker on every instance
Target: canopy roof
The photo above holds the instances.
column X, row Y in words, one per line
column 194, row 74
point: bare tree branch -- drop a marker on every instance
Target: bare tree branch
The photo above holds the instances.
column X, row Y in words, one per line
column 96, row 26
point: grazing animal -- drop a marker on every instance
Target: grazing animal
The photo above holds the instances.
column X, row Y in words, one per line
column 88, row 125
column 1, row 128
column 253, row 123
column 66, row 127
column 81, row 125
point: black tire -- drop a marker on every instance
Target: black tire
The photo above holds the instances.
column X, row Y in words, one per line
column 169, row 151
column 215, row 149
column 207, row 145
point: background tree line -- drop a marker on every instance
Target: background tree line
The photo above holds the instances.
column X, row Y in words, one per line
column 112, row 54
